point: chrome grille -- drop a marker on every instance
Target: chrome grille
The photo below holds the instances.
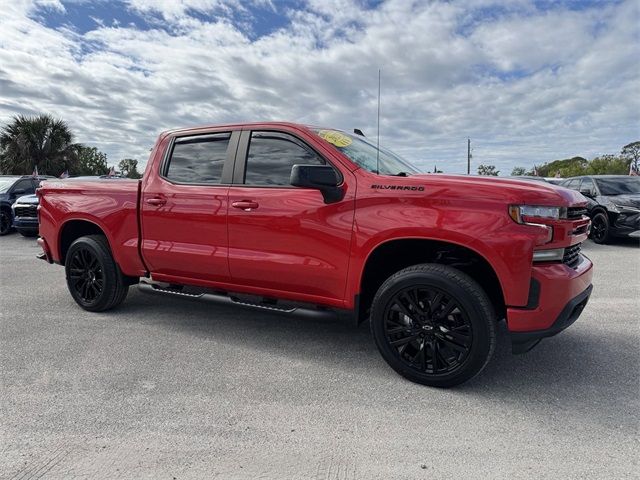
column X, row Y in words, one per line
column 26, row 211
column 571, row 256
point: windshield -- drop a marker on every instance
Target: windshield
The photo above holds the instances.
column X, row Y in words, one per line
column 5, row 183
column 365, row 154
column 619, row 185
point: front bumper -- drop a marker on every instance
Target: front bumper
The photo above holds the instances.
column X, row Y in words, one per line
column 26, row 223
column 522, row 342
column 625, row 224
column 558, row 295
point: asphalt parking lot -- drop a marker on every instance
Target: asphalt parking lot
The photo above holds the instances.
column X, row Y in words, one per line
column 172, row 388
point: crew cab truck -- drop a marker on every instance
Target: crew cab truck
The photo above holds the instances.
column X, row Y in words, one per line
column 286, row 216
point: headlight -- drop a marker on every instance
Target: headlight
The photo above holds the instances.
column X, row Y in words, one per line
column 624, row 208
column 519, row 212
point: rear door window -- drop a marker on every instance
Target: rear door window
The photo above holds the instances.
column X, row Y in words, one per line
column 198, row 160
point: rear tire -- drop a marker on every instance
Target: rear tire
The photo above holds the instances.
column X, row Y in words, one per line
column 93, row 277
column 434, row 325
column 600, row 228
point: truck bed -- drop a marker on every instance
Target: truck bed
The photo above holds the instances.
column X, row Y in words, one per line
column 111, row 205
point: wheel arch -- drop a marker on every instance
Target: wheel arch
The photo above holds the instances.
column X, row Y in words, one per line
column 598, row 209
column 75, row 228
column 408, row 251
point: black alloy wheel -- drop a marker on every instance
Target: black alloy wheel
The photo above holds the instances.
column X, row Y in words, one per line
column 428, row 329
column 600, row 228
column 86, row 275
column 93, row 277
column 5, row 222
column 433, row 324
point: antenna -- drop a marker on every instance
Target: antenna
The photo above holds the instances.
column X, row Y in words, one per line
column 378, row 139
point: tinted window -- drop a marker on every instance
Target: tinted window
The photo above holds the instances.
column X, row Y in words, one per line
column 619, row 185
column 573, row 184
column 587, row 184
column 26, row 185
column 271, row 156
column 198, row 159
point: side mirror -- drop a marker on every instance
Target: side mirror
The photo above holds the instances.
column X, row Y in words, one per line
column 320, row 177
column 587, row 193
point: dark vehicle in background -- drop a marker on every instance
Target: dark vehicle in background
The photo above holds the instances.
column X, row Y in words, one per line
column 614, row 204
column 12, row 187
column 25, row 209
column 531, row 178
column 25, row 215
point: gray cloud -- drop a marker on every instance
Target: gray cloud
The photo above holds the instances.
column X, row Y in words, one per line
column 527, row 86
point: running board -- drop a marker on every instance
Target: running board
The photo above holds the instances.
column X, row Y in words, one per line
column 263, row 306
column 223, row 298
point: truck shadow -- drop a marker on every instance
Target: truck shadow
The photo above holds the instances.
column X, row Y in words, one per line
column 577, row 373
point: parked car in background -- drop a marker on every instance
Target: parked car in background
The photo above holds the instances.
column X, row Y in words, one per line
column 531, row 178
column 25, row 209
column 25, row 215
column 614, row 204
column 12, row 187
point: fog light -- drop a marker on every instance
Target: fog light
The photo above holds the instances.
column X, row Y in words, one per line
column 553, row 255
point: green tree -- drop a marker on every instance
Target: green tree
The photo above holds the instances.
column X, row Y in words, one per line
column 41, row 141
column 631, row 152
column 488, row 170
column 518, row 171
column 91, row 161
column 129, row 168
column 567, row 167
column 608, row 165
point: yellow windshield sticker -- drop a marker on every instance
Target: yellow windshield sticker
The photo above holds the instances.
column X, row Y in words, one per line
column 335, row 138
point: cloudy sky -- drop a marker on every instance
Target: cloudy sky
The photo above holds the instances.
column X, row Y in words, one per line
column 527, row 81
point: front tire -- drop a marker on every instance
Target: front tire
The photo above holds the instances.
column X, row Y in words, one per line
column 93, row 277
column 600, row 228
column 5, row 221
column 434, row 325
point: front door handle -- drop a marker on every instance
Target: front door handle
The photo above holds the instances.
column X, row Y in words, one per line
column 246, row 205
column 156, row 201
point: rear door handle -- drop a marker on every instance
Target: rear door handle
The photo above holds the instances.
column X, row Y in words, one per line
column 246, row 205
column 156, row 201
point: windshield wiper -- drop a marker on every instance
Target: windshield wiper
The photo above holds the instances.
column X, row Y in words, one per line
column 400, row 174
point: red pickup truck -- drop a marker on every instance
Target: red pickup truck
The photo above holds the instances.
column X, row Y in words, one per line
column 285, row 217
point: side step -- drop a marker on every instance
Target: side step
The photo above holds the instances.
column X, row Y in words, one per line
column 265, row 306
column 149, row 286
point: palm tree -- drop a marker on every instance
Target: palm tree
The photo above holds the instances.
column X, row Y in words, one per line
column 41, row 141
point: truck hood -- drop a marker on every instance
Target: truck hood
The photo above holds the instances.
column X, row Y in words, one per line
column 501, row 189
column 631, row 199
column 28, row 199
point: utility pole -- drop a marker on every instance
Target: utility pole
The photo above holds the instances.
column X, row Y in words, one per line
column 468, row 156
